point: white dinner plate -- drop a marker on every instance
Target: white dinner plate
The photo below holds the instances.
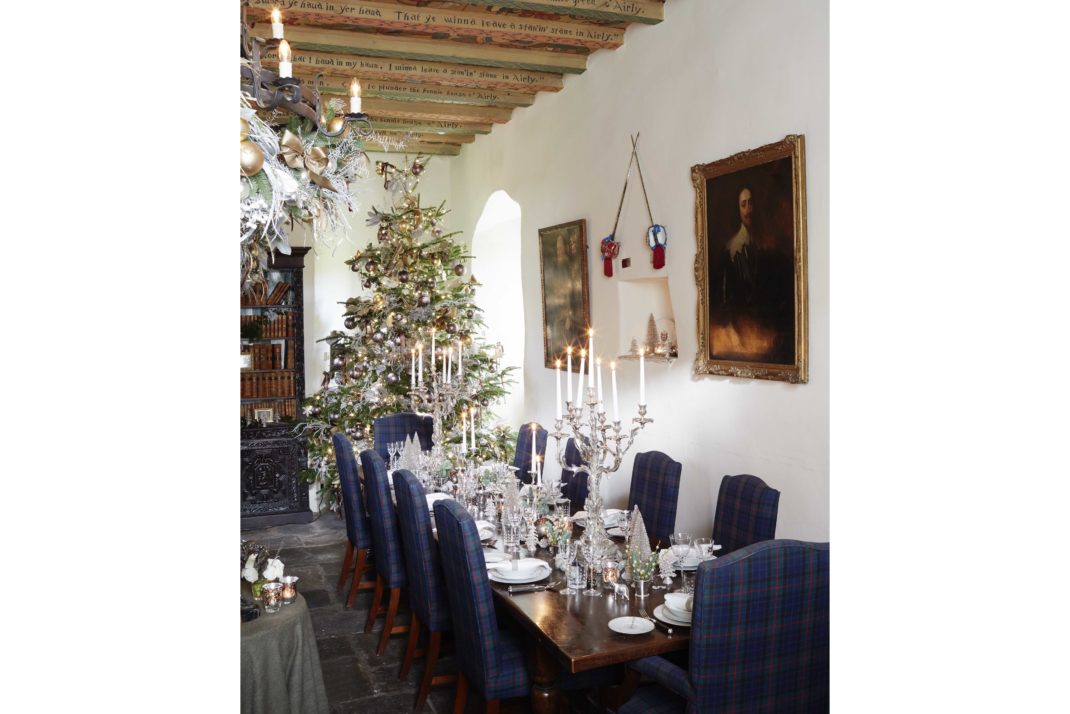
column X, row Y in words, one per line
column 662, row 613
column 525, row 567
column 631, row 625
column 540, row 574
column 610, row 517
column 493, row 556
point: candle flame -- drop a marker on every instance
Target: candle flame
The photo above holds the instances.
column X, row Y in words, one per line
column 284, row 51
column 613, row 365
column 583, row 352
column 557, row 363
column 354, row 88
column 276, row 16
column 598, row 361
column 568, row 349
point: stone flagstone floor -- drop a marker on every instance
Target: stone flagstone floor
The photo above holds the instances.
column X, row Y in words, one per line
column 357, row 680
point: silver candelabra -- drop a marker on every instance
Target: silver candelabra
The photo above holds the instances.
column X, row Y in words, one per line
column 439, row 397
column 602, row 445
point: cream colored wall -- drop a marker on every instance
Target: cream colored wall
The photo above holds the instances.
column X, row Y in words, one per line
column 716, row 77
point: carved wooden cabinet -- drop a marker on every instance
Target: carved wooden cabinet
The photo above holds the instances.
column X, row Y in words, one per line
column 272, row 387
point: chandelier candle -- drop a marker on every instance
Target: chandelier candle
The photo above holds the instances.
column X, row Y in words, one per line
column 432, row 350
column 579, row 390
column 590, row 351
column 568, row 354
column 420, row 349
column 286, row 67
column 613, row 375
column 601, row 406
column 534, row 456
column 464, row 431
column 474, row 428
column 412, row 371
column 557, row 373
column 642, row 378
column 276, row 24
column 354, row 97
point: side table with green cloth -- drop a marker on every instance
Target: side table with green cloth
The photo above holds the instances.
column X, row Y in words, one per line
column 280, row 666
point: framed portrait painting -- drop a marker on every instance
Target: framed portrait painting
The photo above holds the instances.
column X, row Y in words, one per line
column 563, row 272
column 750, row 263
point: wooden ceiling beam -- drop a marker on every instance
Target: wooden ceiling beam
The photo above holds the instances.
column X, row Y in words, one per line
column 426, row 138
column 498, row 28
column 434, row 111
column 445, row 73
column 338, row 83
column 387, row 124
column 428, row 50
column 415, row 148
column 648, row 12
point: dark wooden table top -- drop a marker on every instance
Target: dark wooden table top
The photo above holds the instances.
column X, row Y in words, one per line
column 576, row 627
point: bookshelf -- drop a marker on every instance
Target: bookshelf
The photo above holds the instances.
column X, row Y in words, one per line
column 272, row 386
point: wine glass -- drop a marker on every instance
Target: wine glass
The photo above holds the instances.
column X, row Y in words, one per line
column 681, row 544
column 573, row 570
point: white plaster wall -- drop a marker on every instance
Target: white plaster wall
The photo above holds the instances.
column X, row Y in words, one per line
column 716, row 77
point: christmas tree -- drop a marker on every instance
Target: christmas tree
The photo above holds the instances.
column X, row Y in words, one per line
column 414, row 276
column 651, row 335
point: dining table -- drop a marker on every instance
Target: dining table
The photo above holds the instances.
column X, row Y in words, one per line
column 571, row 633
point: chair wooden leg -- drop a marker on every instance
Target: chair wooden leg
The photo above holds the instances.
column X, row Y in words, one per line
column 377, row 598
column 388, row 626
column 358, row 574
column 461, row 697
column 347, row 565
column 433, row 644
column 616, row 695
column 410, row 648
column 493, row 706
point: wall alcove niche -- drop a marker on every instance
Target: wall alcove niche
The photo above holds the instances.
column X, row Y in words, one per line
column 639, row 300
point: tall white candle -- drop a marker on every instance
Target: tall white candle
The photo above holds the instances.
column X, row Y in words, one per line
column 286, row 68
column 557, row 373
column 464, row 432
column 613, row 375
column 460, row 359
column 534, row 455
column 449, row 365
column 579, row 390
column 420, row 376
column 642, row 376
column 276, row 24
column 601, row 408
column 354, row 97
column 568, row 354
column 473, row 428
column 432, row 353
column 443, row 358
column 412, row 371
column 590, row 352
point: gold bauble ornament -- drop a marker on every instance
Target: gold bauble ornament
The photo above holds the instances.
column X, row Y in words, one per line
column 335, row 124
column 252, row 158
column 244, row 130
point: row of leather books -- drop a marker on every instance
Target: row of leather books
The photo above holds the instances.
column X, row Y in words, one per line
column 281, row 410
column 270, row 384
column 264, row 355
column 276, row 326
column 276, row 297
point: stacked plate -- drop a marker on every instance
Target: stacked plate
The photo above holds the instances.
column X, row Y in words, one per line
column 527, row 570
column 611, row 517
column 676, row 609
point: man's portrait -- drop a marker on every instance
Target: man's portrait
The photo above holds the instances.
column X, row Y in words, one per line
column 750, row 216
column 565, row 306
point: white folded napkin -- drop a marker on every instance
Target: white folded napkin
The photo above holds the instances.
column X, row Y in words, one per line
column 486, row 529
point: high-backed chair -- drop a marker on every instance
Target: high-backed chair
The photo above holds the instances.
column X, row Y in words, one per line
column 522, row 458
column 426, row 583
column 399, row 427
column 759, row 637
column 656, row 489
column 489, row 659
column 746, row 512
column 358, row 531
column 574, row 480
column 386, row 540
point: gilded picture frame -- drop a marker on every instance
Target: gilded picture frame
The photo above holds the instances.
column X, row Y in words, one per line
column 564, row 282
column 750, row 263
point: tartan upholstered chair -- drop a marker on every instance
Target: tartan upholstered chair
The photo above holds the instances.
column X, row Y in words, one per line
column 655, row 489
column 759, row 637
column 386, row 540
column 489, row 659
column 746, row 512
column 399, row 427
column 358, row 531
column 574, row 480
column 426, row 583
column 522, row 458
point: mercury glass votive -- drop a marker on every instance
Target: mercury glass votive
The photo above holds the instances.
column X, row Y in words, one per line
column 289, row 588
column 272, row 596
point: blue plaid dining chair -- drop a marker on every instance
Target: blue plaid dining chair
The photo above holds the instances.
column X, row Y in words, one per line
column 399, row 427
column 759, row 637
column 426, row 583
column 522, row 458
column 386, row 540
column 358, row 532
column 746, row 512
column 574, row 480
column 489, row 659
column 656, row 489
